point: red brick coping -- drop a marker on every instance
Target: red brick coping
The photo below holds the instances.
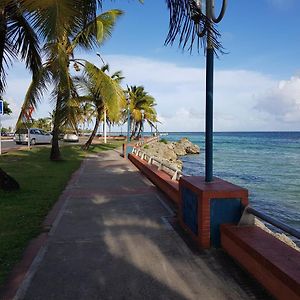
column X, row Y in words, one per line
column 273, row 263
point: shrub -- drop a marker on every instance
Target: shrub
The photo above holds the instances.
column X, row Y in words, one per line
column 164, row 141
column 146, row 147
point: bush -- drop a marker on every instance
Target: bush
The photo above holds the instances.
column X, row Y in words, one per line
column 164, row 141
column 146, row 147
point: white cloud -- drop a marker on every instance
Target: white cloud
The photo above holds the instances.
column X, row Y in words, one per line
column 241, row 97
column 282, row 103
column 282, row 4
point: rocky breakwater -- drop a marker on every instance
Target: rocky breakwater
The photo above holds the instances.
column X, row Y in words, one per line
column 168, row 152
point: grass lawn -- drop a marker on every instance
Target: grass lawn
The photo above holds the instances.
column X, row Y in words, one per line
column 41, row 181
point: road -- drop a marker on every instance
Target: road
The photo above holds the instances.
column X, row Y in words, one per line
column 10, row 144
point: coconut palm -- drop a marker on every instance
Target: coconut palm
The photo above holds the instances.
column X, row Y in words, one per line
column 17, row 38
column 141, row 109
column 65, row 26
column 86, row 114
column 103, row 91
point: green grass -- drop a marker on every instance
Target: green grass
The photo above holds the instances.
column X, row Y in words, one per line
column 42, row 181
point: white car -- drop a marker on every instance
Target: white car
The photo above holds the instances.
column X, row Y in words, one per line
column 71, row 137
column 36, row 136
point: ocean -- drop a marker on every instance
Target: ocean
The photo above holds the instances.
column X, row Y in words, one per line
column 266, row 163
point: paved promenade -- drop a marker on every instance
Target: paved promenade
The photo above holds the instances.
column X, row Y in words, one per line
column 112, row 240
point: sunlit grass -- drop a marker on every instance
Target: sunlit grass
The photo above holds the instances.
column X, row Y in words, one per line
column 42, row 181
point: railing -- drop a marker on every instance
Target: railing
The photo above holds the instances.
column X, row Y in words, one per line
column 284, row 227
column 159, row 163
column 147, row 141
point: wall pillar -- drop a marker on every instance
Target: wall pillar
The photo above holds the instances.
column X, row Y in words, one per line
column 204, row 206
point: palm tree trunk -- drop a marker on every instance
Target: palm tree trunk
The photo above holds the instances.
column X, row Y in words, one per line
column 140, row 129
column 134, row 129
column 87, row 145
column 55, row 151
column 7, row 183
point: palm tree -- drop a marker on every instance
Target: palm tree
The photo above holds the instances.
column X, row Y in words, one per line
column 103, row 91
column 149, row 115
column 141, row 109
column 17, row 38
column 86, row 114
column 65, row 26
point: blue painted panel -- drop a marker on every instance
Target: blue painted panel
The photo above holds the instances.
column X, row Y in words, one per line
column 190, row 209
column 223, row 211
column 128, row 150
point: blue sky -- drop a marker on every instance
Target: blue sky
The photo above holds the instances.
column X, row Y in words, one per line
column 257, row 84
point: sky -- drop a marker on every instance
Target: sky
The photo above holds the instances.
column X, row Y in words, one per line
column 257, row 81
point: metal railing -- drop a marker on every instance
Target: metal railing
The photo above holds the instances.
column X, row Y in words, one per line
column 159, row 163
column 284, row 227
column 147, row 141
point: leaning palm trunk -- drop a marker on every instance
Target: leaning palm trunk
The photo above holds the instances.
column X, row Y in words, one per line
column 87, row 145
column 7, row 183
column 141, row 127
column 134, row 130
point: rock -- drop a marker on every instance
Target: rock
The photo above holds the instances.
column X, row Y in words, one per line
column 169, row 152
column 281, row 236
column 189, row 147
column 179, row 149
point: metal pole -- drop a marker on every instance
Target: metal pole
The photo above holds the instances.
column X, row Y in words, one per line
column 0, row 135
column 209, row 101
column 28, row 139
column 104, row 126
column 292, row 231
column 128, row 124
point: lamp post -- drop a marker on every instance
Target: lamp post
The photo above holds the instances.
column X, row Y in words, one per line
column 104, row 126
column 128, row 115
column 211, row 19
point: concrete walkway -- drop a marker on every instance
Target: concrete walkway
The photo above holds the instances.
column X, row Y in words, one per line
column 112, row 240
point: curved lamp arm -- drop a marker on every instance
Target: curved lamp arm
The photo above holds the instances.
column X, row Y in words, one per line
column 222, row 13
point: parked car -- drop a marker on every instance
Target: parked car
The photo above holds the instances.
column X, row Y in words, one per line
column 71, row 137
column 36, row 136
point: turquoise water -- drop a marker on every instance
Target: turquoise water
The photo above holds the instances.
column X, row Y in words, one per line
column 266, row 163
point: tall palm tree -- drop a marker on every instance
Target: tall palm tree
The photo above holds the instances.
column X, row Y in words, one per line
column 86, row 114
column 142, row 108
column 65, row 26
column 103, row 91
column 17, row 38
column 149, row 115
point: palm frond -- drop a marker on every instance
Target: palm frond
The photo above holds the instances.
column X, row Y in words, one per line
column 106, row 88
column 26, row 41
column 97, row 31
column 187, row 22
column 34, row 92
